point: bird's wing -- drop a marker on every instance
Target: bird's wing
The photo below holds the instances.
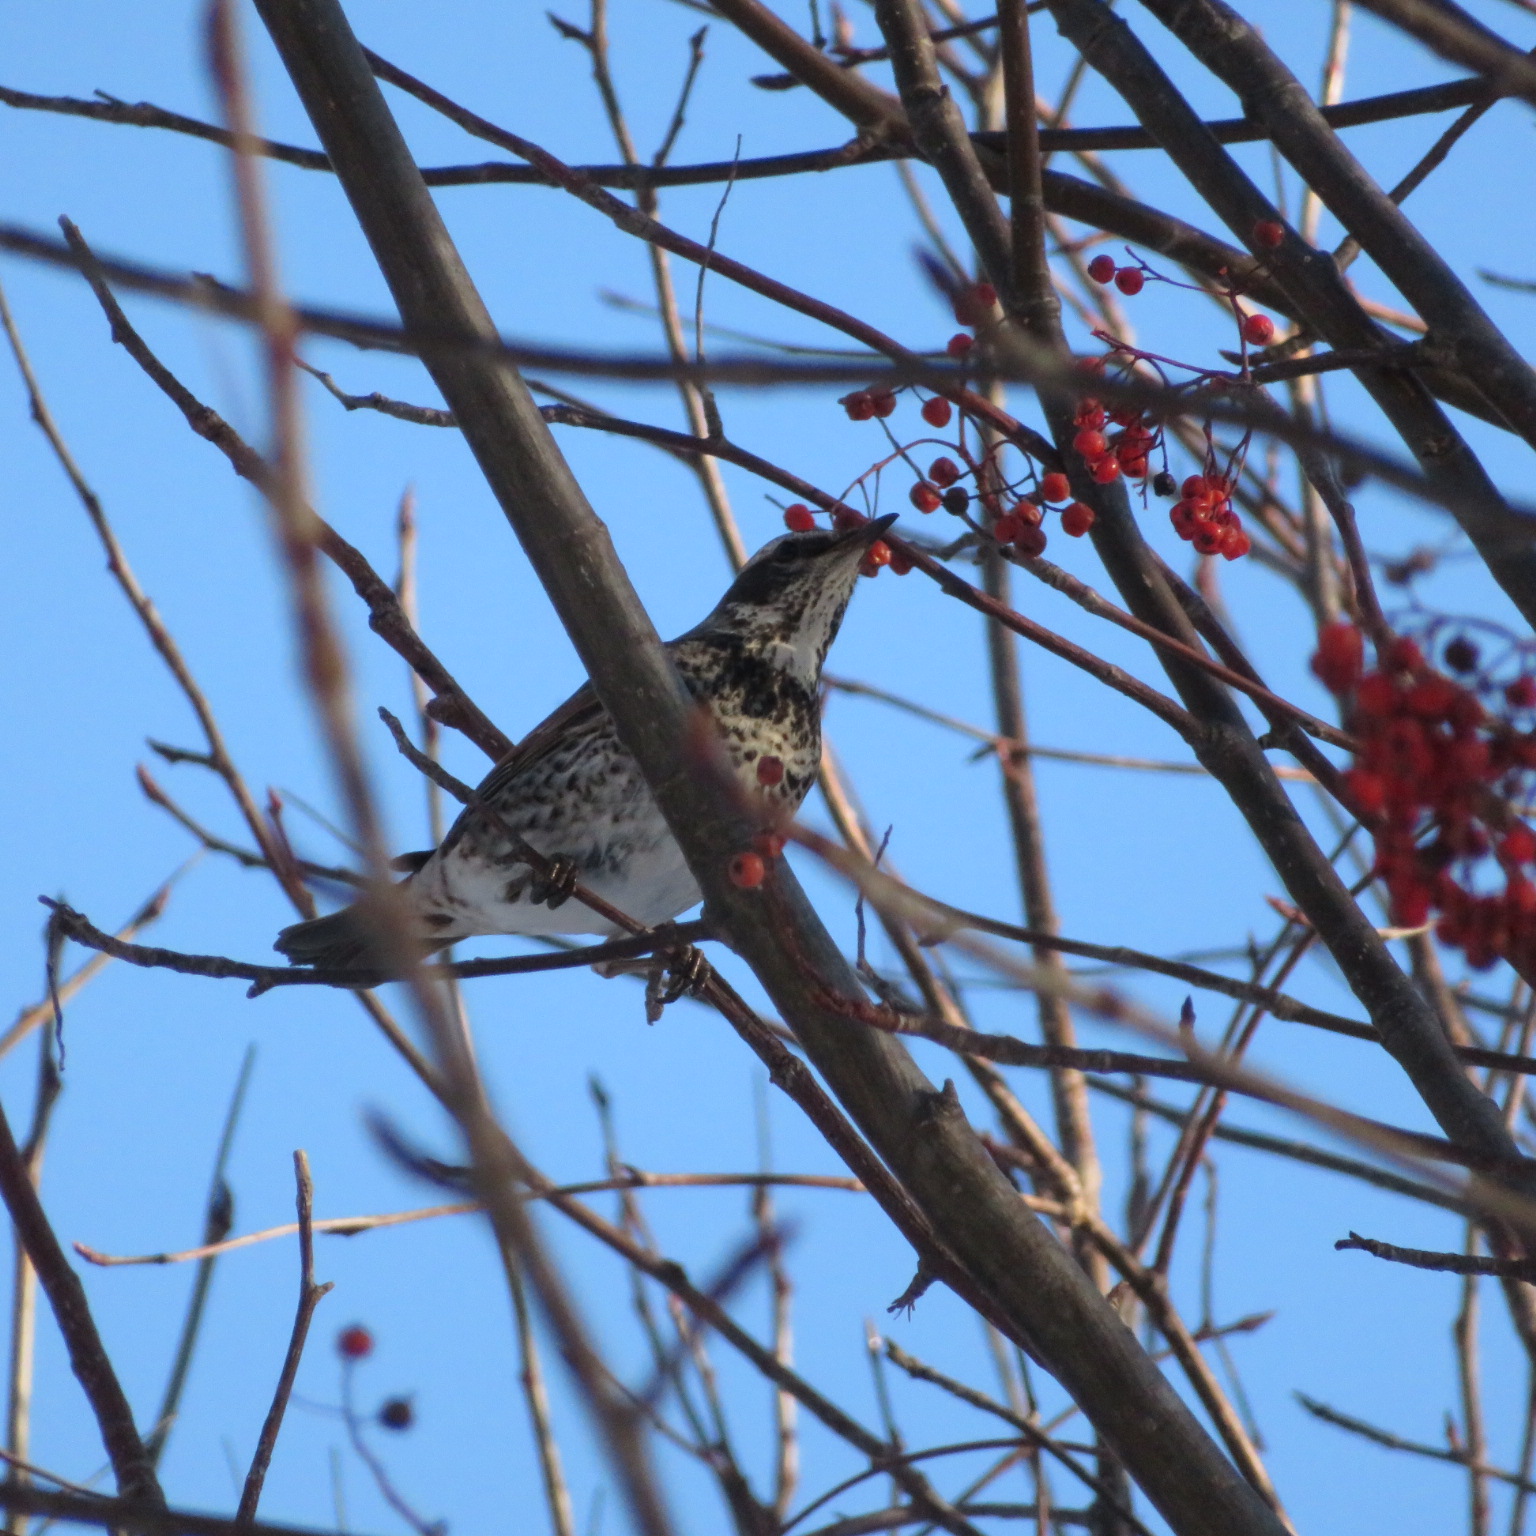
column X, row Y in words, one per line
column 578, row 711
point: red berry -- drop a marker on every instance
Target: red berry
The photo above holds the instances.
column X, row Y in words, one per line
column 1105, row 470
column 883, row 402
column 936, row 412
column 860, row 405
column 1403, row 655
column 845, row 518
column 1258, row 330
column 1194, row 486
column 1432, row 697
column 1208, row 539
column 1090, row 444
column 1367, row 789
column 943, row 472
column 924, row 497
column 1375, row 696
column 1340, row 656
column 770, row 770
column 1410, row 905
column 901, row 565
column 959, row 344
column 354, row 1343
column 1130, row 280
column 1054, row 487
column 1269, row 233
column 799, row 518
column 1027, row 512
column 1077, row 519
column 974, row 304
column 748, row 871
column 397, row 1413
column 1030, row 541
column 876, row 556
column 1521, row 694
column 1102, row 269
column 1235, row 544
column 1518, row 845
column 1007, row 528
column 1136, row 468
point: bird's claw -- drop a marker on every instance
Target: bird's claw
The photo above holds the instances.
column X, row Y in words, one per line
column 679, row 973
column 554, row 885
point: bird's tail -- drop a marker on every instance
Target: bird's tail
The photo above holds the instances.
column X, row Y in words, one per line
column 341, row 940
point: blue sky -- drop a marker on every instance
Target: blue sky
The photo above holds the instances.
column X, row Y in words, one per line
column 1158, row 862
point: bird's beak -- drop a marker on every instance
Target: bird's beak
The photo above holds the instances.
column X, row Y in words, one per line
column 865, row 533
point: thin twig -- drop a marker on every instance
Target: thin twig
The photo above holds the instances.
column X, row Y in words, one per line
column 218, row 1218
column 1446, row 1263
column 309, row 1298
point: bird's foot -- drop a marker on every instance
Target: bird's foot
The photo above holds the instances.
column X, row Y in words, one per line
column 553, row 886
column 674, row 974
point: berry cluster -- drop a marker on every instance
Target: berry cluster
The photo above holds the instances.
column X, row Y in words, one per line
column 1112, row 443
column 1440, row 761
column 1123, row 452
column 1203, row 516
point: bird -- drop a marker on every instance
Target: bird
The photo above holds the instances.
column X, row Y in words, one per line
column 574, row 793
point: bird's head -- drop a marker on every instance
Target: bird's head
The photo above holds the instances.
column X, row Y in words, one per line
column 788, row 599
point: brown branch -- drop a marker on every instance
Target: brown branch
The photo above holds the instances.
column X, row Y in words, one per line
column 385, row 616
column 1397, row 1442
column 310, row 1295
column 235, row 304
column 1453, row 34
column 42, row 1012
column 264, row 977
column 1389, row 107
column 1445, row 1263
column 918, row 1370
column 352, row 1226
column 141, row 1515
column 1297, row 1151
column 88, row 1359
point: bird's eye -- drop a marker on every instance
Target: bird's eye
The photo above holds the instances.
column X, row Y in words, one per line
column 786, row 551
